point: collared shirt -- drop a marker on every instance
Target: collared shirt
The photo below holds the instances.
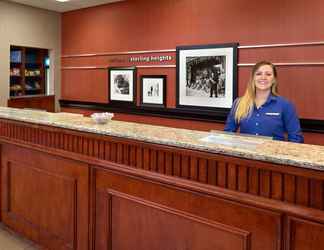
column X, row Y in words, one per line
column 276, row 117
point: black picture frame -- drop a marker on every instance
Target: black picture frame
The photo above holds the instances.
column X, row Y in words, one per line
column 153, row 91
column 206, row 77
column 122, row 85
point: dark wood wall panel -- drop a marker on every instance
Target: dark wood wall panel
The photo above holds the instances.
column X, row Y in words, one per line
column 312, row 235
column 243, row 179
column 153, row 160
column 234, row 174
column 103, row 221
column 161, row 162
column 42, row 102
column 265, row 183
column 300, row 93
column 100, row 76
column 88, row 84
column 212, row 172
column 310, row 53
column 166, row 228
column 67, row 189
column 26, row 181
column 302, row 191
column 290, row 188
column 170, row 24
column 167, row 167
column 316, row 194
column 146, row 159
column 45, row 197
column 193, row 27
column 193, row 171
column 254, row 181
column 277, row 186
column 296, row 83
column 167, row 219
column 222, row 174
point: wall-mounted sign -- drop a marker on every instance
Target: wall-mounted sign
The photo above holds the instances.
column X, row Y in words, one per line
column 150, row 58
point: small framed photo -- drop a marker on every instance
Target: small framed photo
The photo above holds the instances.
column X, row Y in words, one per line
column 153, row 91
column 122, row 85
column 206, row 77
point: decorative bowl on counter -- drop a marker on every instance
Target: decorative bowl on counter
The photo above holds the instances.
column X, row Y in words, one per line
column 102, row 118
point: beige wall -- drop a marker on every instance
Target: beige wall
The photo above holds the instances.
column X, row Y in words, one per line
column 31, row 27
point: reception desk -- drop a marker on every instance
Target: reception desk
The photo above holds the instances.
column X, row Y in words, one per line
column 68, row 183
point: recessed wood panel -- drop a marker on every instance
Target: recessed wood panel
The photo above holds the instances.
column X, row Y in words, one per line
column 153, row 160
column 202, row 170
column 176, row 165
column 265, row 183
column 159, row 228
column 302, row 191
column 92, row 85
column 149, row 207
column 45, row 198
column 222, row 174
column 232, row 177
column 254, row 181
column 316, row 194
column 212, row 172
column 161, row 162
column 243, row 179
column 42, row 102
column 277, row 186
column 305, row 235
column 290, row 188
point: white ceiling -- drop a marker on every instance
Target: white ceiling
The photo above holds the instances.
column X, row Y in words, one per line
column 63, row 6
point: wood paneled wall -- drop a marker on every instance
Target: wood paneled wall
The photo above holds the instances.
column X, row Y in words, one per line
column 143, row 25
column 46, row 102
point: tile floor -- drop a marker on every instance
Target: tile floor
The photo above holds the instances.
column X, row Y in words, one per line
column 11, row 241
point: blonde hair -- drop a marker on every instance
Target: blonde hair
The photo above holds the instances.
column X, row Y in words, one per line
column 245, row 104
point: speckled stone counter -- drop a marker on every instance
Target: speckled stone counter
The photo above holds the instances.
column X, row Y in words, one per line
column 256, row 148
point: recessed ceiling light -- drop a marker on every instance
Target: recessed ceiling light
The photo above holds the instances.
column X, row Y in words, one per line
column 62, row 0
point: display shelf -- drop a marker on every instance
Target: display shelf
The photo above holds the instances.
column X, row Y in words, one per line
column 27, row 71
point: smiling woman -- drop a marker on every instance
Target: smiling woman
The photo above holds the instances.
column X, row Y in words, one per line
column 261, row 111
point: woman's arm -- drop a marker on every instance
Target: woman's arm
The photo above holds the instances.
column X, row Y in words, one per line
column 292, row 124
column 231, row 125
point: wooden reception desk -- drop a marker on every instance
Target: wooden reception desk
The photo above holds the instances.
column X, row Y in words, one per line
column 68, row 183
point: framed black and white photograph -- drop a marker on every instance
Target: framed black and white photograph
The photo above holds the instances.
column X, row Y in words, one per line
column 153, row 90
column 122, row 85
column 206, row 76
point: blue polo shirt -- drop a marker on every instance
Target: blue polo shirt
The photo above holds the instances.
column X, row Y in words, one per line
column 275, row 118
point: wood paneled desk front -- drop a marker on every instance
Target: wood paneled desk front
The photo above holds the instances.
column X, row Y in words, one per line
column 68, row 183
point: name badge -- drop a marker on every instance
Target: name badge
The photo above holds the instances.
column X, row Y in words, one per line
column 273, row 114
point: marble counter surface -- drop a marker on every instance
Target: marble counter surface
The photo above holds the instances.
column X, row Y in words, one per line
column 256, row 148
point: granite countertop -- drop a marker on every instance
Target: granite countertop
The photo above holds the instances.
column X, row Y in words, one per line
column 256, row 148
